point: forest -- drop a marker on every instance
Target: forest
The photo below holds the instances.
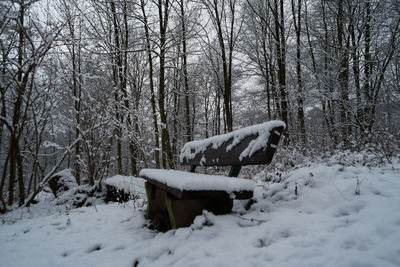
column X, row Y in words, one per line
column 107, row 87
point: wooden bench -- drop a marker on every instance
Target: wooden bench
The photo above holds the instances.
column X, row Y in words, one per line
column 175, row 198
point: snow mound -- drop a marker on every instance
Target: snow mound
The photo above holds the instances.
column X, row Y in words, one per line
column 129, row 184
column 65, row 178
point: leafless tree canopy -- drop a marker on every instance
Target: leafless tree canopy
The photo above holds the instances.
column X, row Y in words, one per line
column 109, row 87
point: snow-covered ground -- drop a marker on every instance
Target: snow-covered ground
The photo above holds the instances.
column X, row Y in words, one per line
column 325, row 224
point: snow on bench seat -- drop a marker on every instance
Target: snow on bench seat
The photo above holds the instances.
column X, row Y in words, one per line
column 187, row 181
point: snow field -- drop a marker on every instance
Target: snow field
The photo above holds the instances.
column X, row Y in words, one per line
column 325, row 224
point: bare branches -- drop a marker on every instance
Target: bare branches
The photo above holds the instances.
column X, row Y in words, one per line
column 45, row 180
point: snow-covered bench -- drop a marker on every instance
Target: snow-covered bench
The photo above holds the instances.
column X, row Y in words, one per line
column 175, row 198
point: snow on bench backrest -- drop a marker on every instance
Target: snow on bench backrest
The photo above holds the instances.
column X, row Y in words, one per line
column 247, row 146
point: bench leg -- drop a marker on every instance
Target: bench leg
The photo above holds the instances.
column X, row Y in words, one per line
column 155, row 201
column 156, row 209
column 170, row 204
column 166, row 211
column 148, row 187
column 181, row 212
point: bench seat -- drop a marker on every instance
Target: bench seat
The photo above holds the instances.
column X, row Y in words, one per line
column 187, row 185
column 181, row 196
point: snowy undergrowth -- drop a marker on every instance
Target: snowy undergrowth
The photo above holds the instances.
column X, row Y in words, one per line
column 324, row 224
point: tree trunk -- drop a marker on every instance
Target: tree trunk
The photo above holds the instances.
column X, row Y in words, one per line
column 3, row 179
column 226, row 55
column 12, row 154
column 327, row 84
column 21, row 183
column 188, row 125
column 367, row 67
column 76, row 94
column 152, row 97
column 300, row 111
column 166, row 156
column 356, row 70
column 280, row 55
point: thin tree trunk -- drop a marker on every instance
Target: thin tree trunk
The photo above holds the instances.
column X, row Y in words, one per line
column 166, row 156
column 356, row 70
column 121, row 61
column 329, row 107
column 76, row 105
column 21, row 184
column 17, row 108
column 185, row 75
column 3, row 179
column 267, row 80
column 226, row 64
column 367, row 66
column 3, row 100
column 218, row 114
column 282, row 69
column 275, row 98
column 297, row 26
column 152, row 99
column 130, row 122
column 281, row 50
column 176, row 99
column 193, row 113
column 343, row 74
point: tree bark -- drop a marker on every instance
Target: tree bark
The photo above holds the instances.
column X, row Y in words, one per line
column 280, row 55
column 167, row 158
column 297, row 26
column 367, row 66
column 188, row 125
column 218, row 14
column 343, row 74
column 13, row 148
column 76, row 93
column 3, row 179
column 152, row 94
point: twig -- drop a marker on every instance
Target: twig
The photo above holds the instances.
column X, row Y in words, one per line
column 248, row 219
column 340, row 192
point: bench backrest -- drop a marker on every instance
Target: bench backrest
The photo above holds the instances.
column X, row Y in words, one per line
column 248, row 146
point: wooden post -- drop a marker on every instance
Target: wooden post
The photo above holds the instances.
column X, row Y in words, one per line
column 234, row 171
column 170, row 204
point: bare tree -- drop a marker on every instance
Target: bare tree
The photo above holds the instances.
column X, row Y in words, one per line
column 163, row 19
column 151, row 79
column 296, row 13
column 223, row 15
